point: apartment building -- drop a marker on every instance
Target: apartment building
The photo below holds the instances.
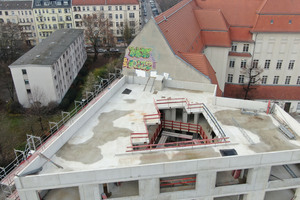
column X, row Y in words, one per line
column 46, row 72
column 117, row 12
column 50, row 16
column 20, row 12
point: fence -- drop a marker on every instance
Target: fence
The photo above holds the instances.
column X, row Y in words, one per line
column 35, row 144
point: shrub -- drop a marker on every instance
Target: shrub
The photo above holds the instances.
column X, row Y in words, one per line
column 14, row 107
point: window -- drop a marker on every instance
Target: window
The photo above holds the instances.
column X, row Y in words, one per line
column 241, row 78
column 109, row 7
column 116, row 7
column 6, row 12
column 267, row 64
column 110, row 16
column 26, row 81
column 28, row 91
column 24, row 71
column 290, row 21
column 101, row 8
column 287, row 80
column 243, row 63
column 132, row 23
column 264, row 80
column 94, row 8
column 291, row 64
column 177, row 183
column 230, row 77
column 59, row 10
column 298, row 80
column 83, row 8
column 120, row 7
column 134, row 7
column 0, row 12
column 118, row 32
column 255, row 63
column 131, row 15
column 233, row 47
column 272, row 21
column 128, row 7
column 246, row 48
column 121, row 16
column 117, row 16
column 231, row 63
column 279, row 64
column 276, row 79
column 121, row 24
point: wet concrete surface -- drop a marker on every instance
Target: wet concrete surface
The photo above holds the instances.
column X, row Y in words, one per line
column 170, row 156
column 271, row 139
column 63, row 194
column 89, row 152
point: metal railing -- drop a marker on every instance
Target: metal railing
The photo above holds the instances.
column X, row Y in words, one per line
column 35, row 145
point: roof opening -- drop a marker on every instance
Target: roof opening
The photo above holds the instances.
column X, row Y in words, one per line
column 290, row 21
column 126, row 91
column 228, row 152
column 272, row 21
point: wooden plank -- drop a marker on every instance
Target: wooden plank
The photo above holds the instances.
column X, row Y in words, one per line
column 178, row 135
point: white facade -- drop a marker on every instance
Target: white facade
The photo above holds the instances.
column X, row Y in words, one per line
column 48, row 82
column 116, row 14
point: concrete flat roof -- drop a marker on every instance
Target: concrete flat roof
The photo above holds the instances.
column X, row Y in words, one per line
column 50, row 49
column 102, row 142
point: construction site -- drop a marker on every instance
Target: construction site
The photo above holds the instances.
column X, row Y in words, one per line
column 154, row 138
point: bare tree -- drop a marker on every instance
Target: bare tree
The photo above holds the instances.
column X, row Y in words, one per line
column 252, row 72
column 166, row 4
column 98, row 30
column 128, row 31
column 12, row 42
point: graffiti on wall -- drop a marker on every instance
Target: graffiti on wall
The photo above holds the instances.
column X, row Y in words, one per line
column 139, row 58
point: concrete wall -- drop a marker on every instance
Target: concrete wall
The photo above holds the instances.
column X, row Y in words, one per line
column 288, row 119
column 238, row 103
column 218, row 56
column 166, row 61
column 60, row 139
column 259, row 166
column 190, row 85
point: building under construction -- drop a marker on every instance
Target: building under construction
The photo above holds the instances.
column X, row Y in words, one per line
column 154, row 138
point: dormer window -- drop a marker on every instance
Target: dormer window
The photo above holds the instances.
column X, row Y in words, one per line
column 272, row 21
column 290, row 21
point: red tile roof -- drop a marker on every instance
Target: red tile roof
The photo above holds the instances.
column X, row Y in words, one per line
column 277, row 23
column 239, row 54
column 180, row 27
column 241, row 34
column 200, row 62
column 105, row 2
column 237, row 12
column 211, row 20
column 216, row 38
column 280, row 7
column 263, row 92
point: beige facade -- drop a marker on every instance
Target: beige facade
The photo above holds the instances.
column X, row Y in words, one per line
column 117, row 15
column 20, row 12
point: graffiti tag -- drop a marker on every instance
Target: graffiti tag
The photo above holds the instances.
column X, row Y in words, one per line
column 139, row 58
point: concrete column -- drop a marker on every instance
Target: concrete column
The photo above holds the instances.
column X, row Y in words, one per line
column 196, row 118
column 258, row 177
column 205, row 183
column 184, row 117
column 149, row 188
column 29, row 195
column 167, row 114
column 173, row 114
column 297, row 194
column 89, row 192
column 257, row 195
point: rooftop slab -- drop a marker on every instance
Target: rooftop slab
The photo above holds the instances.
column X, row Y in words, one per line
column 102, row 141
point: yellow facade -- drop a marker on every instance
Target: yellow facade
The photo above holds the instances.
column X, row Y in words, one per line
column 49, row 20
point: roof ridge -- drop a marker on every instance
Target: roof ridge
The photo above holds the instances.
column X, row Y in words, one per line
column 262, row 6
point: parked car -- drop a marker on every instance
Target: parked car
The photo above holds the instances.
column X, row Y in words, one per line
column 90, row 50
column 99, row 50
column 114, row 50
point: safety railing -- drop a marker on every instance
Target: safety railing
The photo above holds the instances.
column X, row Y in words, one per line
column 191, row 143
column 8, row 172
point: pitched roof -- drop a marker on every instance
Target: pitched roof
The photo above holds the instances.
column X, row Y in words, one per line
column 237, row 13
column 211, row 20
column 105, row 2
column 216, row 38
column 15, row 5
column 241, row 34
column 200, row 62
column 239, row 54
column 263, row 92
column 180, row 27
column 280, row 7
